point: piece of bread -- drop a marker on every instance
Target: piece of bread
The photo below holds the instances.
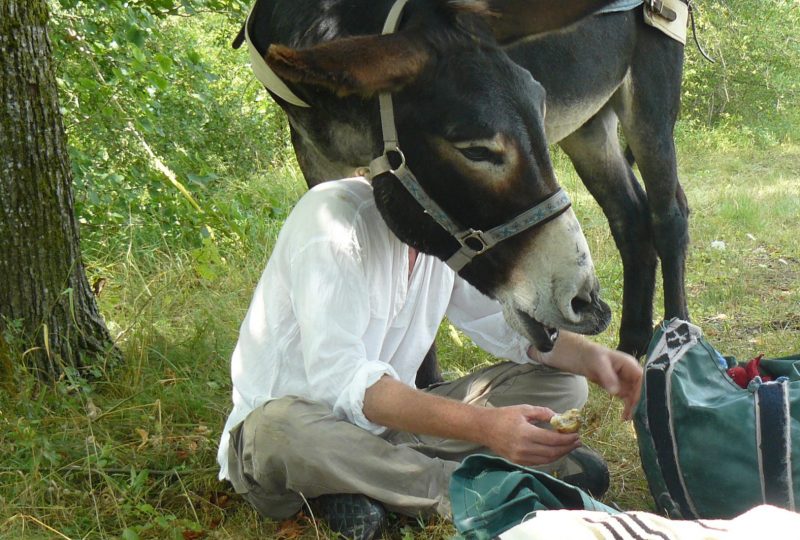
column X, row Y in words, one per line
column 567, row 422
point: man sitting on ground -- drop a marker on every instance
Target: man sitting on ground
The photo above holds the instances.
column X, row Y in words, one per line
column 326, row 412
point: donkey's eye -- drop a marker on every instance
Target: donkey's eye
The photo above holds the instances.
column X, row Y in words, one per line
column 481, row 153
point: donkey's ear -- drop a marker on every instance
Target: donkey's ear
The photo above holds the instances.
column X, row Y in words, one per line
column 361, row 65
column 514, row 19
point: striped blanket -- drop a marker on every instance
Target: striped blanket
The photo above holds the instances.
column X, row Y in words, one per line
column 767, row 522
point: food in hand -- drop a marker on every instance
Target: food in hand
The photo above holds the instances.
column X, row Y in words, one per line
column 567, row 422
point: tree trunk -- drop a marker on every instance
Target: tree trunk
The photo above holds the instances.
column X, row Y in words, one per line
column 43, row 286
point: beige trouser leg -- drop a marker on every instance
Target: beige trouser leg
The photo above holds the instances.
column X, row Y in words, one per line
column 292, row 448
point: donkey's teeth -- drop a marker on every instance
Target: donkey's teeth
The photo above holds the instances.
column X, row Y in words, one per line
column 541, row 336
column 552, row 333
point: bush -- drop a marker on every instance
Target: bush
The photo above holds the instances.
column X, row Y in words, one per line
column 162, row 116
column 752, row 90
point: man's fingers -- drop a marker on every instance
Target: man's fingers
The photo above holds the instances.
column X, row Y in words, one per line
column 620, row 375
column 537, row 414
column 554, row 438
column 608, row 372
column 631, row 400
column 551, row 443
column 631, row 394
column 608, row 378
column 523, row 442
column 627, row 413
column 538, row 454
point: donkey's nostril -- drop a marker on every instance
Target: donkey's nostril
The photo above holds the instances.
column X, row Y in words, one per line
column 580, row 305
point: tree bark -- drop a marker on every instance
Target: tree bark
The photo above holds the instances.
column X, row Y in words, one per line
column 43, row 287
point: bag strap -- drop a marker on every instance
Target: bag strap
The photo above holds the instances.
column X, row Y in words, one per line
column 677, row 338
column 774, row 438
column 659, row 423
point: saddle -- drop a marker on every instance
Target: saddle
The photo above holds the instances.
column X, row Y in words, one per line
column 668, row 16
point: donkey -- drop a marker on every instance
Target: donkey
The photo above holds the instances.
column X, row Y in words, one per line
column 470, row 124
column 609, row 69
column 605, row 69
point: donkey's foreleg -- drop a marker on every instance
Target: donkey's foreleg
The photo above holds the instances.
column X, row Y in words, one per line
column 599, row 161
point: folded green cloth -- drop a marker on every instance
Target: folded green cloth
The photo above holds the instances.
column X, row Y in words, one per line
column 490, row 495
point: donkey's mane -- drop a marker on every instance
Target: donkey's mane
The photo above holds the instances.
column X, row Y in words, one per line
column 468, row 25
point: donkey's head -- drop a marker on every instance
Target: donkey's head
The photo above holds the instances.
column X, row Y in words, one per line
column 470, row 123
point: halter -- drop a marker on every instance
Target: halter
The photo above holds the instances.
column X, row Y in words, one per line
column 392, row 161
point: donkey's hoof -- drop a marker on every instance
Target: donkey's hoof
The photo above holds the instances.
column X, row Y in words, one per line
column 635, row 343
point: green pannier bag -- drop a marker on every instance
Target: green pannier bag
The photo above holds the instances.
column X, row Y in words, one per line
column 710, row 448
column 489, row 495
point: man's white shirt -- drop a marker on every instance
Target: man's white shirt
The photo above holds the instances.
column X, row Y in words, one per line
column 335, row 310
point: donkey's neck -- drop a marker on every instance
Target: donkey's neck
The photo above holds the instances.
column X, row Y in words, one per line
column 332, row 146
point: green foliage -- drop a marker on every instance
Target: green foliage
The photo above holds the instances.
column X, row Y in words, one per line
column 752, row 90
column 161, row 115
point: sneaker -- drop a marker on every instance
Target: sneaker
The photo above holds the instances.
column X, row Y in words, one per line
column 353, row 516
column 586, row 469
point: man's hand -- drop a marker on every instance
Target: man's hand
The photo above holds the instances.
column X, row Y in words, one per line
column 621, row 376
column 512, row 435
column 615, row 371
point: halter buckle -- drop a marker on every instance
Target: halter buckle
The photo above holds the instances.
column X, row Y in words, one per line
column 473, row 240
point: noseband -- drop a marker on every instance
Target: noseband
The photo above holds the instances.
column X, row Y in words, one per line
column 473, row 242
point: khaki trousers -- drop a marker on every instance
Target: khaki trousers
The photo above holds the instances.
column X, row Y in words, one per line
column 291, row 448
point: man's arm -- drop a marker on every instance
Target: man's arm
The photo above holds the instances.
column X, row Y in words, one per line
column 615, row 371
column 507, row 431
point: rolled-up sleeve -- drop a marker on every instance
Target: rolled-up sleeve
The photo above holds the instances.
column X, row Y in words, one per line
column 481, row 318
column 330, row 300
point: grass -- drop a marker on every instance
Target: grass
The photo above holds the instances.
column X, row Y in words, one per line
column 132, row 453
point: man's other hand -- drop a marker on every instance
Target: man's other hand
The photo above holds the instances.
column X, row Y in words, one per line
column 615, row 371
column 620, row 375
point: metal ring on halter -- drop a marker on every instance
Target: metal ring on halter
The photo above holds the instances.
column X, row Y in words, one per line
column 470, row 237
column 395, row 150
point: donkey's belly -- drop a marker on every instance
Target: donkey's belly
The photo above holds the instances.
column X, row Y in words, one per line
column 565, row 117
column 580, row 68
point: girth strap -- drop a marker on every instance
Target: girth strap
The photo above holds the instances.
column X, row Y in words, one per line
column 264, row 73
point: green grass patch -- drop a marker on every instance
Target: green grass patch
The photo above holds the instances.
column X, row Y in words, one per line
column 131, row 454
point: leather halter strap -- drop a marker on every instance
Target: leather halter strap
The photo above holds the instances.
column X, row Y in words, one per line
column 473, row 242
